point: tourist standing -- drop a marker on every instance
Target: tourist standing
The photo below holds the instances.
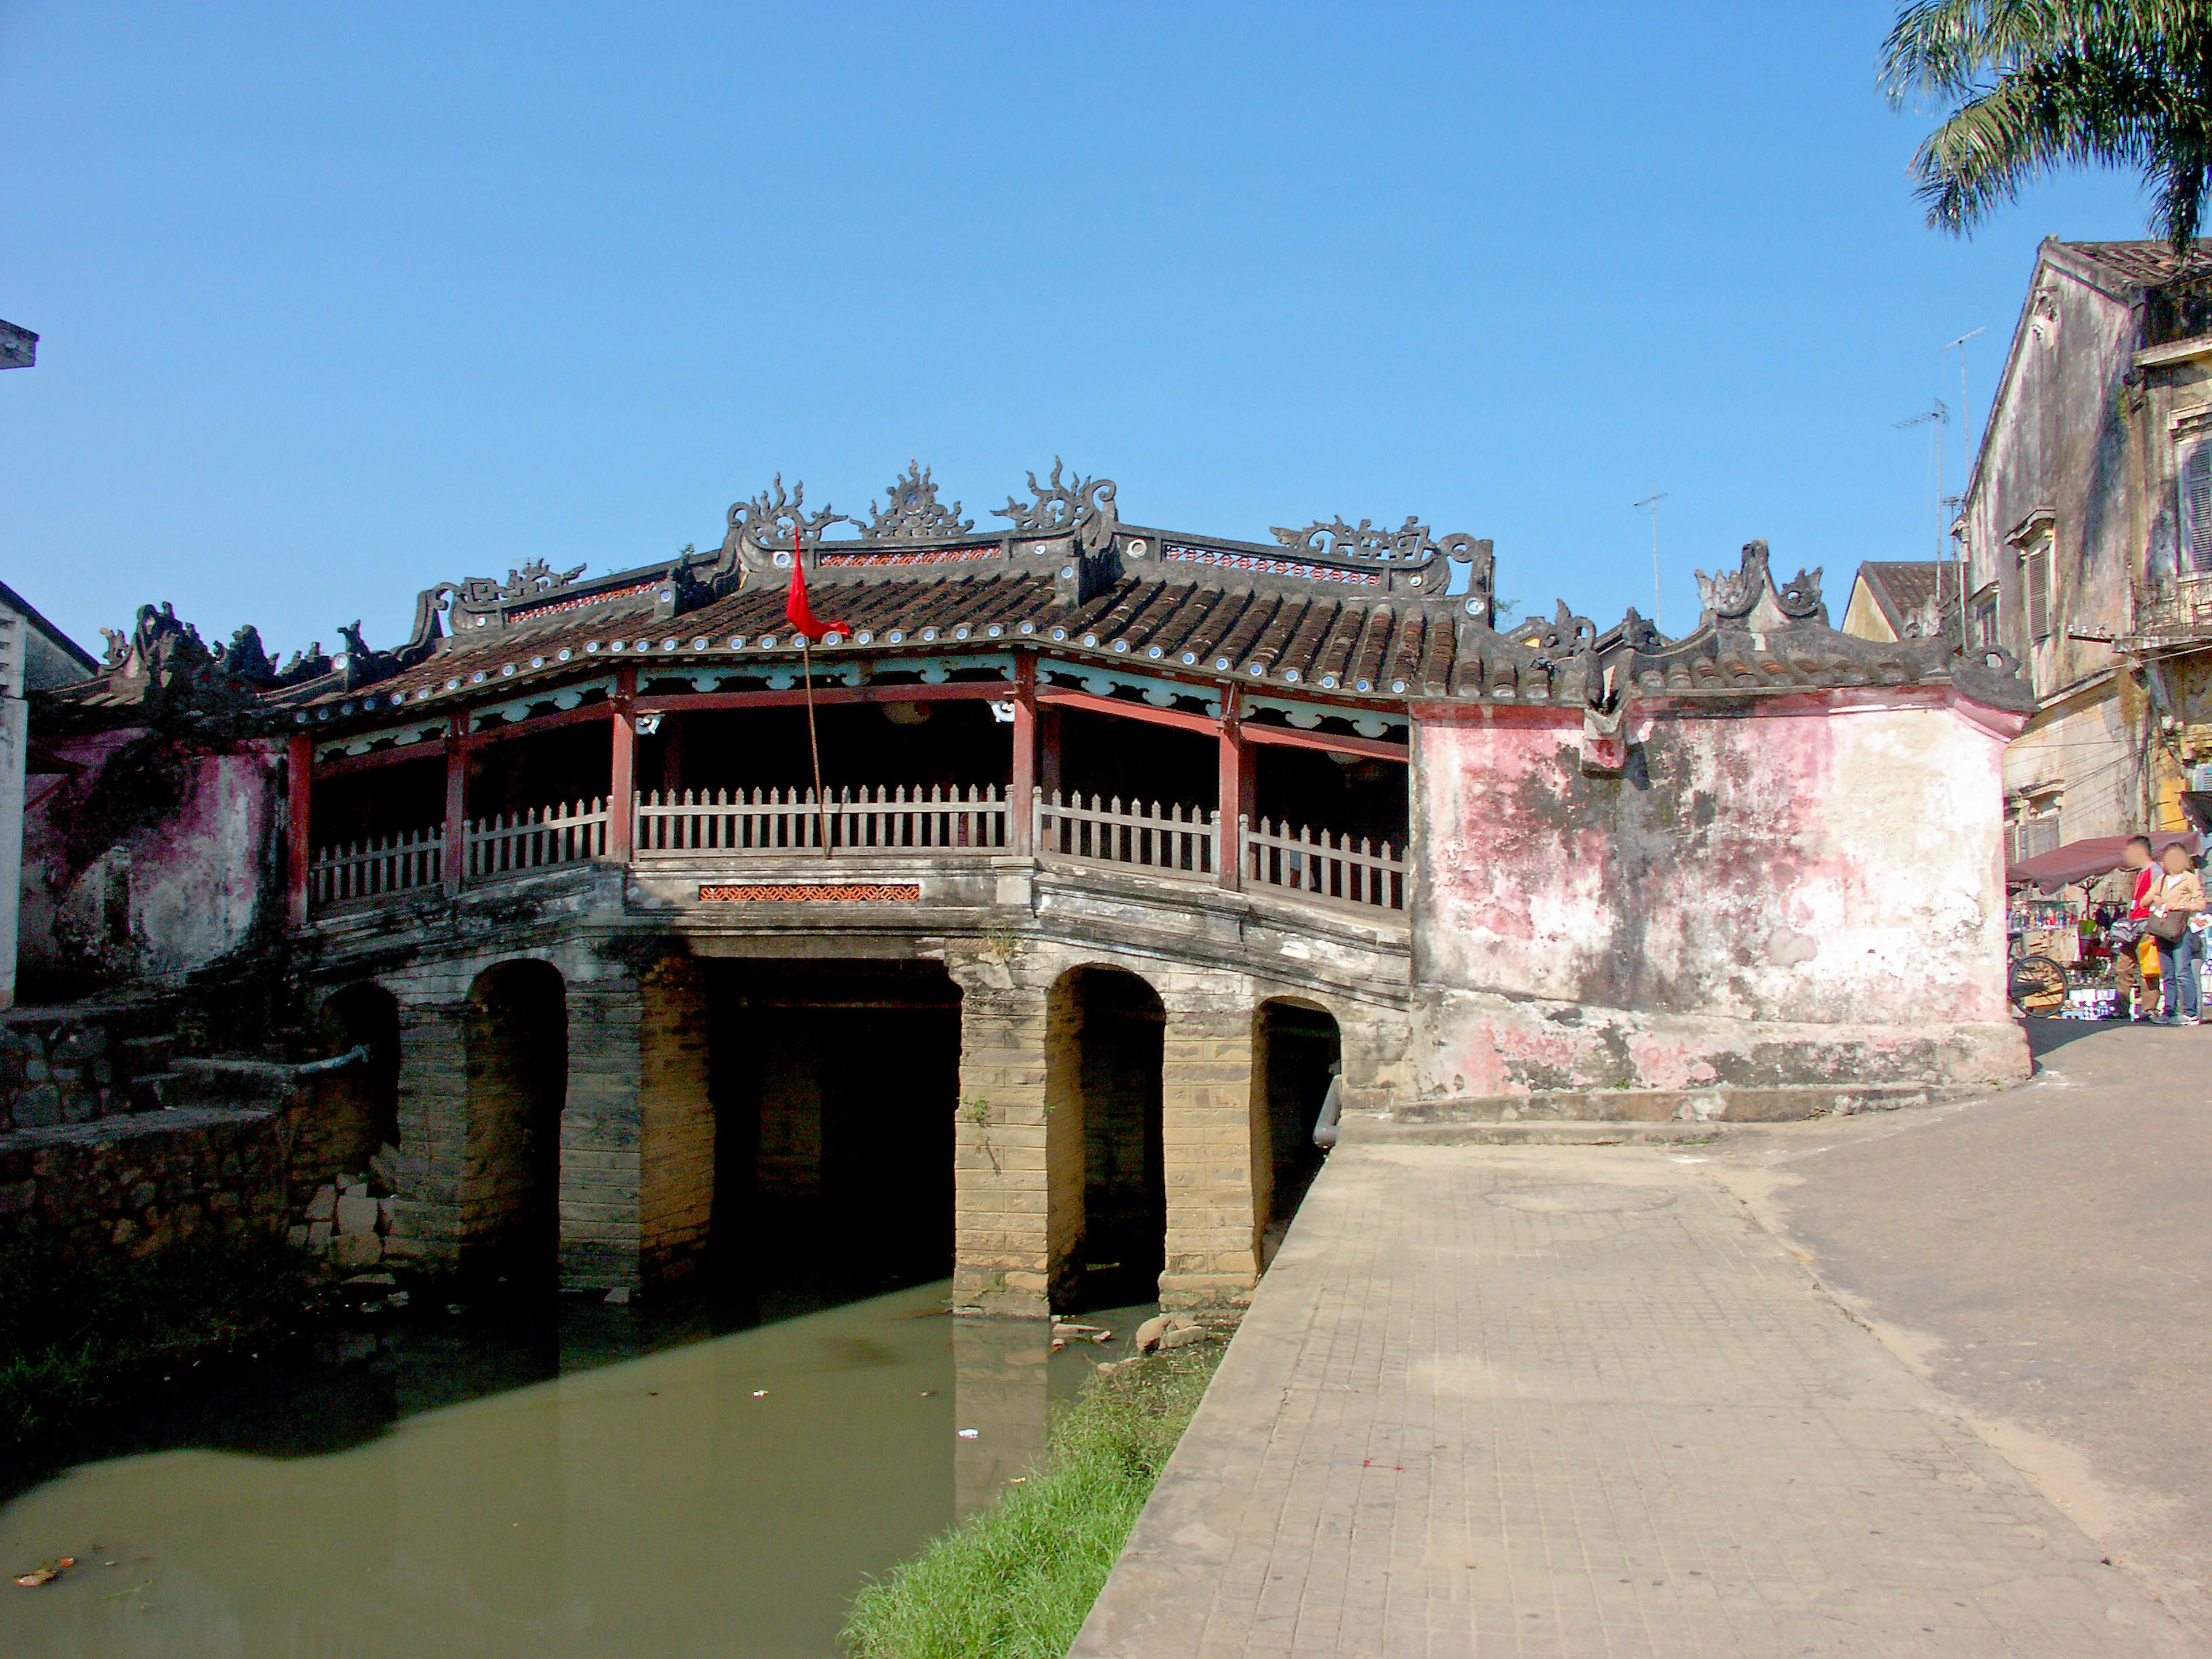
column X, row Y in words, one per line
column 2177, row 900
column 2128, row 936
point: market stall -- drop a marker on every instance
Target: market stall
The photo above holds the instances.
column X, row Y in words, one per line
column 2061, row 907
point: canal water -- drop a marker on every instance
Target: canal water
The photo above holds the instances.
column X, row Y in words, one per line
column 586, row 1480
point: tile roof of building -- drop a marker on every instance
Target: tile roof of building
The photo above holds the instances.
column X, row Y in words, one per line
column 1332, row 615
column 2147, row 265
column 1909, row 590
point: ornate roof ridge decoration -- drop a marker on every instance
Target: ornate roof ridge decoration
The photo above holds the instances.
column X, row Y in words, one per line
column 166, row 673
column 914, row 514
column 1409, row 543
column 770, row 519
column 1736, row 597
column 1084, row 507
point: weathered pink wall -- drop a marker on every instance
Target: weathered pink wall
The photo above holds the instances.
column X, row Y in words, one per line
column 1763, row 898
column 159, row 859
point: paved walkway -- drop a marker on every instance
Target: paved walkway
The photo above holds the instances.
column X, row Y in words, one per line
column 2045, row 1258
column 1579, row 1401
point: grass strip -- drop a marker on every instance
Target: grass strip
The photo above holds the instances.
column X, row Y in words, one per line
column 1016, row 1581
column 76, row 1331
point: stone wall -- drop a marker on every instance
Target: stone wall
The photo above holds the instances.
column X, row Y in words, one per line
column 157, row 859
column 1771, row 897
column 676, row 1147
column 141, row 1183
column 1019, row 1146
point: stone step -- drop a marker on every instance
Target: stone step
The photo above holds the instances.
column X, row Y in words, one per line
column 1367, row 1129
column 151, row 1092
column 143, row 1056
column 1724, row 1103
column 230, row 1082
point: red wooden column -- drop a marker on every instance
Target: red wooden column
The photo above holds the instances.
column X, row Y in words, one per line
column 1235, row 793
column 299, row 786
column 622, row 779
column 1021, row 804
column 457, row 777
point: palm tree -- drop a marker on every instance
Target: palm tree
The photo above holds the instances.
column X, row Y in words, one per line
column 2033, row 85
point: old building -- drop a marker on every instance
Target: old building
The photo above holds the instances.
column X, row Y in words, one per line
column 2087, row 531
column 34, row 656
column 1904, row 599
column 1133, row 847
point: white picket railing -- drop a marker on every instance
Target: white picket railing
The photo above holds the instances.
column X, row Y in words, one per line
column 1371, row 875
column 1170, row 840
column 381, row 865
column 535, row 839
column 736, row 822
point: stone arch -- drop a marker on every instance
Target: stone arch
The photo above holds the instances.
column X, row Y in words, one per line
column 515, row 1043
column 1298, row 1048
column 1105, row 1164
column 353, row 1112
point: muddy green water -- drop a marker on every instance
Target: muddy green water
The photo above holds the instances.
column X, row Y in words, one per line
column 593, row 1485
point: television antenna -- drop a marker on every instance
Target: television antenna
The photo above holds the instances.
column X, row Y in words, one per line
column 1934, row 420
column 1651, row 503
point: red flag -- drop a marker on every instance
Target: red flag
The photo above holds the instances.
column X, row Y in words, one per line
column 795, row 609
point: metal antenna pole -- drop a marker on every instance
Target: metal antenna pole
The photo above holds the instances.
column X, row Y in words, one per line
column 1966, row 423
column 1937, row 416
column 1652, row 502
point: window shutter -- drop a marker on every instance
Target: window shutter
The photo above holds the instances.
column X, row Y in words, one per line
column 2196, row 509
column 2042, row 834
column 2039, row 593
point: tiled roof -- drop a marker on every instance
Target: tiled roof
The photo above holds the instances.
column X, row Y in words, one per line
column 2146, row 263
column 1334, row 614
column 1907, row 589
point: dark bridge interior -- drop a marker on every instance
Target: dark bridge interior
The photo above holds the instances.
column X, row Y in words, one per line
column 835, row 1084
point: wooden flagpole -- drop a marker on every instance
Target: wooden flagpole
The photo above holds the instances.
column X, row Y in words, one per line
column 814, row 747
column 807, row 672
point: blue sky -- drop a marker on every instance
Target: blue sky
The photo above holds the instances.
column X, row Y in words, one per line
column 339, row 300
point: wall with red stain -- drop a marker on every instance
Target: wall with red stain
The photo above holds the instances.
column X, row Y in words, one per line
column 159, row 858
column 1771, row 895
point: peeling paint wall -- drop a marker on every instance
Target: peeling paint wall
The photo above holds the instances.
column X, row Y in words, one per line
column 157, row 859
column 1771, row 899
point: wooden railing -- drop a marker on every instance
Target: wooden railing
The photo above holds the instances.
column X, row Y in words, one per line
column 509, row 844
column 1177, row 841
column 1371, row 875
column 1169, row 840
column 369, row 869
column 735, row 823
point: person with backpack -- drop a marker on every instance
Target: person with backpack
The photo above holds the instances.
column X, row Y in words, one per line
column 2176, row 902
column 2128, row 935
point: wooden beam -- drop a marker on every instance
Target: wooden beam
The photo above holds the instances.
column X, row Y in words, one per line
column 299, row 789
column 457, row 778
column 344, row 763
column 1021, row 790
column 1061, row 697
column 1233, row 794
column 622, row 779
column 694, row 702
column 1289, row 737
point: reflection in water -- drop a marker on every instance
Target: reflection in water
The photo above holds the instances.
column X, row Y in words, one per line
column 588, row 1491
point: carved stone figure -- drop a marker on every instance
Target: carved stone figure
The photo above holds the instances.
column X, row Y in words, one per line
column 1084, row 506
column 770, row 519
column 247, row 661
column 914, row 513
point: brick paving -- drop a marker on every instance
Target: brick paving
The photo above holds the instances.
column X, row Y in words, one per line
column 1578, row 1401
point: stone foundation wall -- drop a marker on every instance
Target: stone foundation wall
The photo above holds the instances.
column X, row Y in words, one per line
column 676, row 1148
column 141, row 1183
column 1019, row 1149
